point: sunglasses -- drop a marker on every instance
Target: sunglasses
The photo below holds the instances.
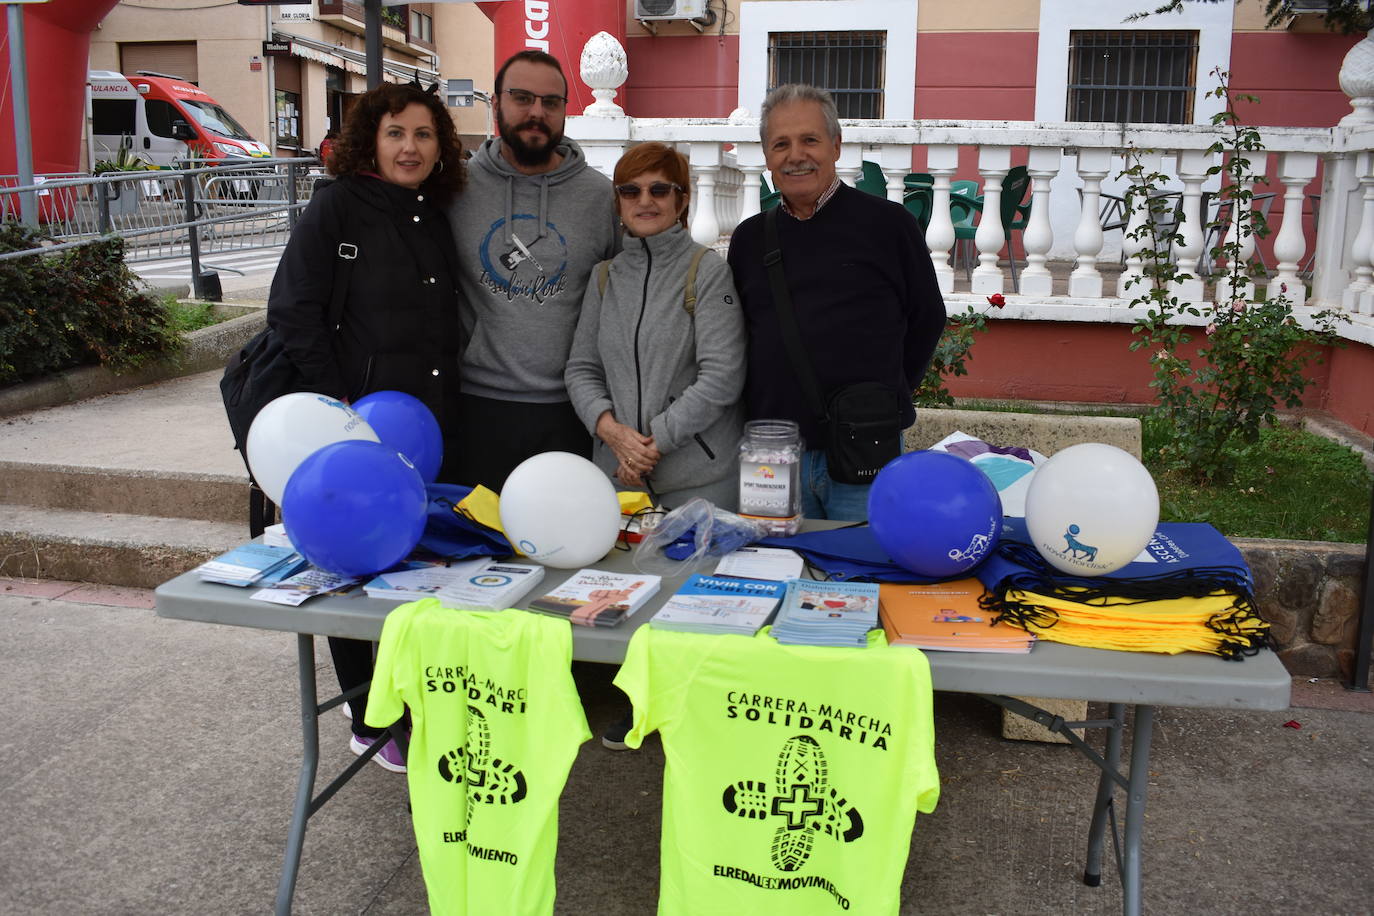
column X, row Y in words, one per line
column 524, row 98
column 657, row 190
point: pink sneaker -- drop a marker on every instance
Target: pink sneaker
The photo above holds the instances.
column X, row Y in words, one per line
column 389, row 757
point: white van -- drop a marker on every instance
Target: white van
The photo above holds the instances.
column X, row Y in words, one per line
column 162, row 119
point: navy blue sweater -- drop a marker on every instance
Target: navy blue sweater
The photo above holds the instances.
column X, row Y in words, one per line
column 866, row 298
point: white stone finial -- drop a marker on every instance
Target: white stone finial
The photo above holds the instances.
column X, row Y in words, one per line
column 605, row 69
column 740, row 116
column 1357, row 81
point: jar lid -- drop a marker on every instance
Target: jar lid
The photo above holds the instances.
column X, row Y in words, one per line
column 772, row 429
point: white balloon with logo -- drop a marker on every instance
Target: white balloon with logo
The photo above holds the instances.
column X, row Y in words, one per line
column 1091, row 509
column 561, row 510
column 292, row 428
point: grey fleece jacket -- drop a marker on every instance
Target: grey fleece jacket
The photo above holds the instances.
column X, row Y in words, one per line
column 526, row 245
column 676, row 377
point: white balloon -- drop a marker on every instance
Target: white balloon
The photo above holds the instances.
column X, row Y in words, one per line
column 561, row 510
column 1091, row 509
column 292, row 428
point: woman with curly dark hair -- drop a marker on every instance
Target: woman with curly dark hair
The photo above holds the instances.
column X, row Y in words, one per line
column 366, row 296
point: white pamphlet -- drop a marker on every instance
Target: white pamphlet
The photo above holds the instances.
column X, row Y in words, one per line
column 775, row 563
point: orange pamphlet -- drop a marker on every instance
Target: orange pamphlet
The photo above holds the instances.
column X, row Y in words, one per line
column 945, row 616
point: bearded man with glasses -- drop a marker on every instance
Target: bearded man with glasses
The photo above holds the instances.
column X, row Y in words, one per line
column 531, row 224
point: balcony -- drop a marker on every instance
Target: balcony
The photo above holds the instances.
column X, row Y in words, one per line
column 351, row 17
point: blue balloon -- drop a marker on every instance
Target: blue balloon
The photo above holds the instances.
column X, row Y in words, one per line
column 403, row 422
column 935, row 513
column 354, row 508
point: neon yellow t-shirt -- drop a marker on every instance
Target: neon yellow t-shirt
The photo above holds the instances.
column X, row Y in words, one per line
column 496, row 722
column 793, row 773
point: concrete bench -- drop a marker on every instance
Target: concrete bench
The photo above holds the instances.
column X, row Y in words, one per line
column 1047, row 434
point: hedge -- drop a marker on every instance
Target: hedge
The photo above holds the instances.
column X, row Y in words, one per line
column 73, row 308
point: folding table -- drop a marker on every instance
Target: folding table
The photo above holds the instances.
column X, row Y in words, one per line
column 1119, row 679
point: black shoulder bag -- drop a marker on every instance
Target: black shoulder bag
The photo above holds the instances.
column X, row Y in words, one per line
column 262, row 370
column 863, row 420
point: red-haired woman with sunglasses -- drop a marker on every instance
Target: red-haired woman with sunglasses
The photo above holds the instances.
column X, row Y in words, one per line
column 655, row 378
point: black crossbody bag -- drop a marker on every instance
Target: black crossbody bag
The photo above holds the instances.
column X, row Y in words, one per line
column 862, row 421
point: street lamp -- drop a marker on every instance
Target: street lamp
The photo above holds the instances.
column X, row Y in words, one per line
column 19, row 105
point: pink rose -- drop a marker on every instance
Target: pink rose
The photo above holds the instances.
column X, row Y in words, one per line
column 1211, row 329
column 1237, row 305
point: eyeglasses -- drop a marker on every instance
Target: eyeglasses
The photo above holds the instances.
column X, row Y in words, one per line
column 658, row 190
column 524, row 98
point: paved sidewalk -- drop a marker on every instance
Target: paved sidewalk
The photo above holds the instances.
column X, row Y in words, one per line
column 152, row 764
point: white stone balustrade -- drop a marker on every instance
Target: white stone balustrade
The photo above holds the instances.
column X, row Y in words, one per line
column 1036, row 280
column 1359, row 295
column 1135, row 239
column 728, row 167
column 1192, row 172
column 895, row 161
column 1086, row 281
column 1240, row 233
column 993, row 164
column 1296, row 170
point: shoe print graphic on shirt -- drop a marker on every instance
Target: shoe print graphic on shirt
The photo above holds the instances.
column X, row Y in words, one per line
column 490, row 780
column 802, row 796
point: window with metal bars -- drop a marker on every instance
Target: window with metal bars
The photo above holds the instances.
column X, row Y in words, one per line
column 847, row 64
column 1144, row 77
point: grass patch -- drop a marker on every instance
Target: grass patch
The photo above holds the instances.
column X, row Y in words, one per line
column 189, row 316
column 1291, row 484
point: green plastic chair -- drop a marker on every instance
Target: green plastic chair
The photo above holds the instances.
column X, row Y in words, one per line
column 964, row 204
column 767, row 196
column 872, row 180
column 919, row 203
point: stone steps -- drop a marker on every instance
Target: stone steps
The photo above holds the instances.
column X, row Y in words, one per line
column 115, row 526
column 128, row 488
column 126, row 491
column 110, row 548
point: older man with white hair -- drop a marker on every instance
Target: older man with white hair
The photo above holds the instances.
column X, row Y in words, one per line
column 860, row 311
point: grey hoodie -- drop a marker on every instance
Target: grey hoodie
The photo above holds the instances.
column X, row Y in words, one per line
column 526, row 246
column 659, row 370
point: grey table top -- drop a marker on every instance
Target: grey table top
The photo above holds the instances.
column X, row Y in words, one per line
column 1050, row 670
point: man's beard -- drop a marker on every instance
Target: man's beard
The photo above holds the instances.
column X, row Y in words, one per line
column 525, row 154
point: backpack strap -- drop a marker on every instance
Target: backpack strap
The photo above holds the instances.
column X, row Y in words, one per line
column 603, row 276
column 343, row 272
column 689, row 293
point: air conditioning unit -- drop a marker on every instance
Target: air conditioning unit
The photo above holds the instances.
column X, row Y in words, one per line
column 658, row 10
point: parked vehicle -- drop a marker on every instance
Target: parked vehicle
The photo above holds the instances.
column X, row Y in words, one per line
column 163, row 119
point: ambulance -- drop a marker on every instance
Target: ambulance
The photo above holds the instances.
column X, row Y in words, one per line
column 162, row 119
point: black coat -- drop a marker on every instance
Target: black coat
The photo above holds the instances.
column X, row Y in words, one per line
column 399, row 329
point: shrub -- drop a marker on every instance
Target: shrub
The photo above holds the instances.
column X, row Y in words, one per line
column 952, row 353
column 1252, row 354
column 72, row 308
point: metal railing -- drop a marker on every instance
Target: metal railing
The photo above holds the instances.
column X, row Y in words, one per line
column 185, row 212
